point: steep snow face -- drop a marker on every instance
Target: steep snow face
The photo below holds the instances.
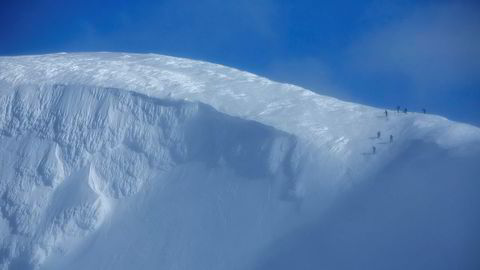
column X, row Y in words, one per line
column 125, row 161
column 72, row 153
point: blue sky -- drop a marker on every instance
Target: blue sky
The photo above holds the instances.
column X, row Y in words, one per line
column 383, row 53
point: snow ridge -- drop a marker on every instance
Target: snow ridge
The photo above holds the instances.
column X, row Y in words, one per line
column 285, row 107
column 101, row 151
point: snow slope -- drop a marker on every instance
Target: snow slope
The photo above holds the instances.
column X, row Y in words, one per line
column 131, row 161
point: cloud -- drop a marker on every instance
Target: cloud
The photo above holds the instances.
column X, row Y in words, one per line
column 435, row 47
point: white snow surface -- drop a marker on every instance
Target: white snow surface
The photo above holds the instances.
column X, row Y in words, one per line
column 145, row 161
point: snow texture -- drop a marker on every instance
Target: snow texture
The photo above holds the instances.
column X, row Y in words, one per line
column 143, row 161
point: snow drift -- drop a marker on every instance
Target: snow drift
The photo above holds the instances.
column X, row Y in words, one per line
column 124, row 161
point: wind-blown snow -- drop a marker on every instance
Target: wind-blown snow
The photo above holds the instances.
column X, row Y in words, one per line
column 129, row 161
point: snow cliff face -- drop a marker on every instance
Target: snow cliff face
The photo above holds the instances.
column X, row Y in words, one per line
column 123, row 161
column 70, row 152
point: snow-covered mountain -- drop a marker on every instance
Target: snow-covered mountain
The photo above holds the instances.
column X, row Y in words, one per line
column 143, row 161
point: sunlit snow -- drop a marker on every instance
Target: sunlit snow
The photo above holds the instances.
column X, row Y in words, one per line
column 144, row 161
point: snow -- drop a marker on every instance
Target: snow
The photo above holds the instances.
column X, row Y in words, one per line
column 144, row 161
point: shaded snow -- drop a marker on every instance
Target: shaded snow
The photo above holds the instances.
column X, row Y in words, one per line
column 128, row 161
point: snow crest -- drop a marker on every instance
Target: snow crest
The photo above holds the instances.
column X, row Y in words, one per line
column 127, row 161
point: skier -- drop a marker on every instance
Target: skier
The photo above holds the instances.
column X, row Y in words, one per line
column 405, row 110
column 398, row 109
column 391, row 138
column 386, row 113
column 424, row 111
column 378, row 134
column 374, row 149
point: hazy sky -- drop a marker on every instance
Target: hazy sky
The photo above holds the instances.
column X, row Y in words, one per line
column 382, row 53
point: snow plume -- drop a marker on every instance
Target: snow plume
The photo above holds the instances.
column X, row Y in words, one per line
column 124, row 161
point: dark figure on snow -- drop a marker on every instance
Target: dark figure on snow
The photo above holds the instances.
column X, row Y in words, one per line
column 386, row 113
column 398, row 109
column 405, row 110
column 391, row 138
column 424, row 111
column 378, row 134
column 374, row 149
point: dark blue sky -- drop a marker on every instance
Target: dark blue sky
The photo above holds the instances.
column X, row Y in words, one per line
column 382, row 53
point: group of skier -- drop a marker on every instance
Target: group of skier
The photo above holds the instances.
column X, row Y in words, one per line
column 379, row 134
column 405, row 110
